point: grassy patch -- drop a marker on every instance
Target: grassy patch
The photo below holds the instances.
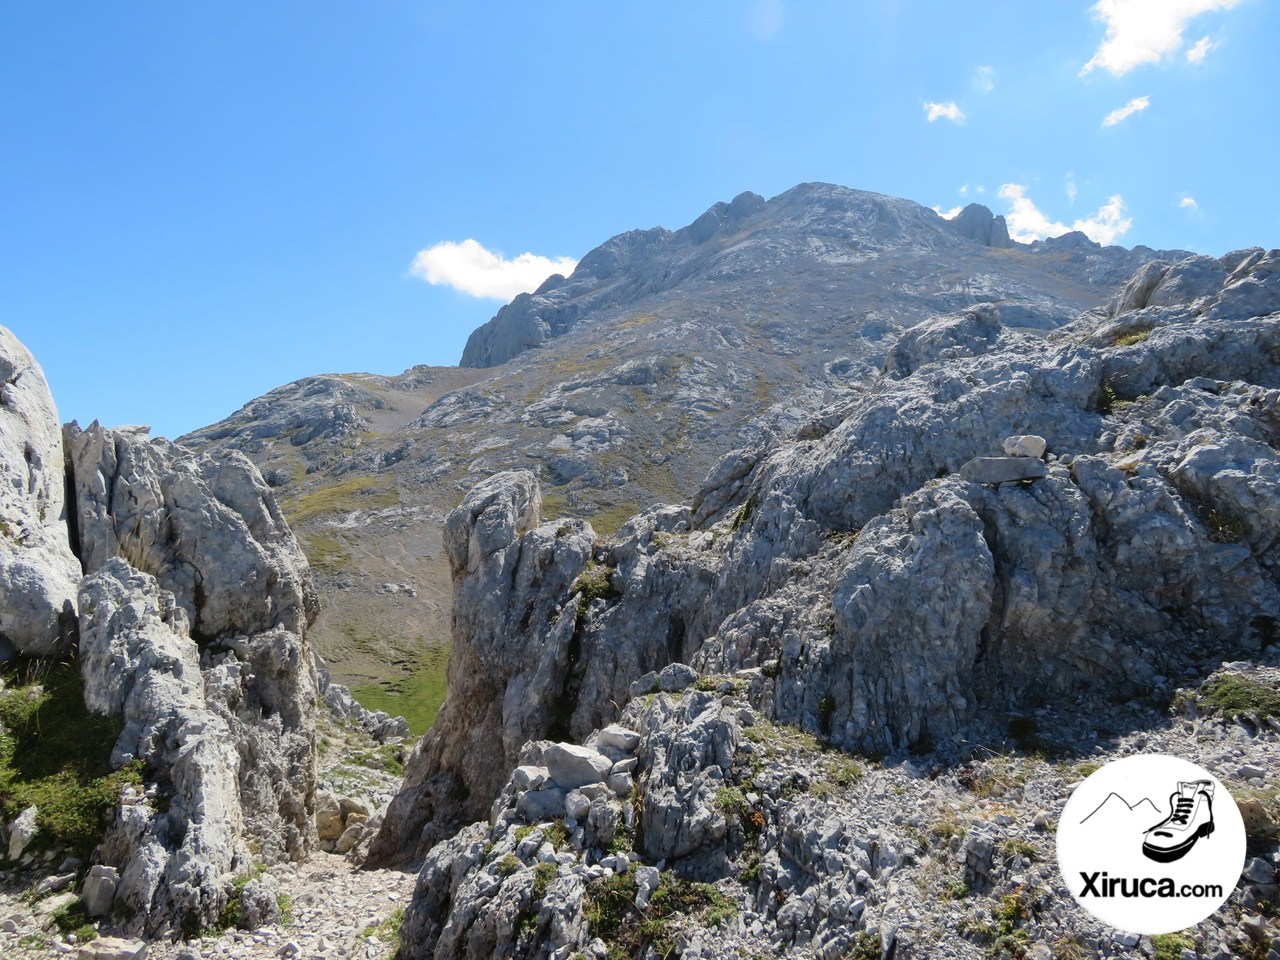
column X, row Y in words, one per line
column 325, row 551
column 388, row 930
column 1232, row 696
column 1223, row 527
column 344, row 496
column 507, row 866
column 416, row 696
column 55, row 754
column 866, row 946
column 629, row 932
column 609, row 520
column 73, row 919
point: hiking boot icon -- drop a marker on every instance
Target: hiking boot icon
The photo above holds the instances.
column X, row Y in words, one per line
column 1190, row 818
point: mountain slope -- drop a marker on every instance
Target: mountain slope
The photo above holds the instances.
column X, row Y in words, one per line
column 624, row 383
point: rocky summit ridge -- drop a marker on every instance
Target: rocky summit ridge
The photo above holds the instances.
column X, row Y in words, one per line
column 931, row 525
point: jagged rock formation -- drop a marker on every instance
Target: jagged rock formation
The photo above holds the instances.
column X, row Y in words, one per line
column 139, row 662
column 193, row 611
column 863, row 588
column 499, row 554
column 38, row 572
column 976, row 222
column 208, row 527
column 211, row 533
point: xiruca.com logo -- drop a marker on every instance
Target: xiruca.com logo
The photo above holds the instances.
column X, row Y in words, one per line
column 1151, row 844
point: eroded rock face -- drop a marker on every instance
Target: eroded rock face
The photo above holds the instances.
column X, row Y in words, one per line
column 1144, row 539
column 138, row 661
column 195, row 609
column 514, row 640
column 208, row 527
column 38, row 572
column 211, row 533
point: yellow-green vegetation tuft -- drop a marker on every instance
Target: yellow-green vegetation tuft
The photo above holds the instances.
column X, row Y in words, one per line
column 1169, row 946
column 343, row 496
column 1136, row 336
column 629, row 932
column 388, row 930
column 595, row 583
column 55, row 754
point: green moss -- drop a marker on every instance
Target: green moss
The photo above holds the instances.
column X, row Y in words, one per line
column 56, row 755
column 416, row 696
column 1232, row 696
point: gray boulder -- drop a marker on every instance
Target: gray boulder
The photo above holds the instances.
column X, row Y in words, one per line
column 259, row 903
column 38, row 571
column 1003, row 469
column 99, row 891
column 573, row 766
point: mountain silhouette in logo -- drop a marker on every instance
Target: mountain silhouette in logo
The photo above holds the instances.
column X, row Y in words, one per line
column 1116, row 809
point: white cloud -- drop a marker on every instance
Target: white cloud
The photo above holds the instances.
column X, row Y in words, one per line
column 1071, row 188
column 1136, row 105
column 984, row 79
column 1144, row 31
column 964, row 191
column 948, row 214
column 765, row 18
column 1200, row 50
column 947, row 111
column 1027, row 222
column 471, row 269
column 1188, row 202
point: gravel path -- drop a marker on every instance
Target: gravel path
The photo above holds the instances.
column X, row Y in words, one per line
column 337, row 911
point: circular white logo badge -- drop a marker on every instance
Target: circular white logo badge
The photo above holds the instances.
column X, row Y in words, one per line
column 1151, row 844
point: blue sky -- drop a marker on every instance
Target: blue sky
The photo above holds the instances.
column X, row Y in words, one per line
column 200, row 202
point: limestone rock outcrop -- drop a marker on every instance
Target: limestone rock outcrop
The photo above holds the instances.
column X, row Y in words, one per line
column 209, row 530
column 38, row 572
column 889, row 589
column 208, row 527
column 138, row 661
column 511, row 573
